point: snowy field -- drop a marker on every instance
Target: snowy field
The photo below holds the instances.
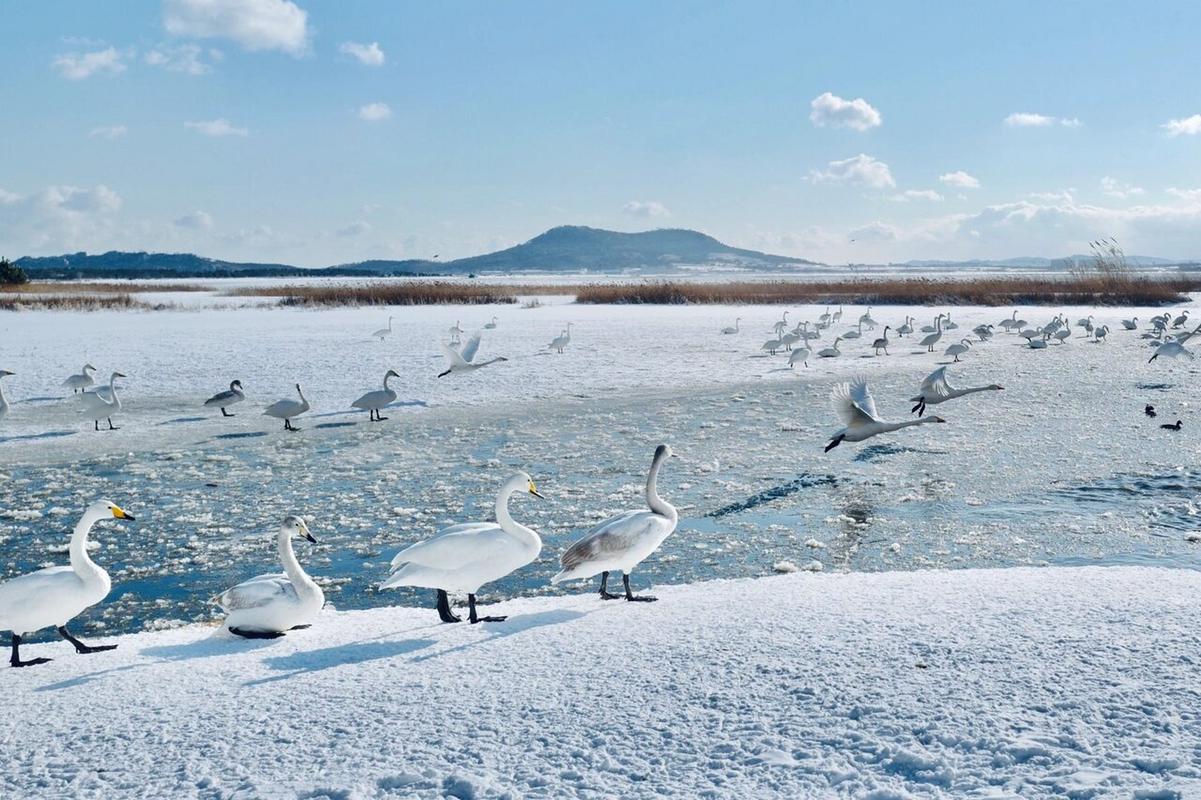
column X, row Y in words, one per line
column 1018, row 683
column 1061, row 468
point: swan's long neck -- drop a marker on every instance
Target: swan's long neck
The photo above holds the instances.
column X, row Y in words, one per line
column 112, row 390
column 657, row 503
column 970, row 390
column 287, row 557
column 896, row 426
column 81, row 562
column 387, row 378
column 506, row 521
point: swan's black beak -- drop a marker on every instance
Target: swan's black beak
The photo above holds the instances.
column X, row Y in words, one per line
column 310, row 537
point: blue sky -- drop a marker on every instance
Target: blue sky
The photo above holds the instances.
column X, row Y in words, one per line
column 321, row 132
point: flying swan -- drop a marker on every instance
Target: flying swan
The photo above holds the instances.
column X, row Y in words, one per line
column 461, row 360
column 935, row 390
column 854, row 405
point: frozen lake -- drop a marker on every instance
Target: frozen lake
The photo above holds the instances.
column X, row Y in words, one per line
column 1060, row 468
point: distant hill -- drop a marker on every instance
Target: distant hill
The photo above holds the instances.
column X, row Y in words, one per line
column 568, row 248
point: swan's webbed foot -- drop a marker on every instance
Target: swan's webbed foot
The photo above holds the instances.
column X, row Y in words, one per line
column 444, row 612
column 80, row 647
column 225, row 413
column 16, row 661
column 299, row 627
column 473, row 618
column 631, row 597
column 604, row 590
column 488, row 619
column 112, row 427
column 249, row 634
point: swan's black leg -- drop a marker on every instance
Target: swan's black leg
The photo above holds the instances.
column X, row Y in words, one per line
column 472, row 615
column 96, row 424
column 834, row 443
column 247, row 634
column 80, row 647
column 299, row 627
column 111, row 426
column 225, row 413
column 16, row 661
column 604, row 592
column 444, row 611
column 646, row 598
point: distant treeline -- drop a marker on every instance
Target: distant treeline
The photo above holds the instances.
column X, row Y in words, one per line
column 66, row 274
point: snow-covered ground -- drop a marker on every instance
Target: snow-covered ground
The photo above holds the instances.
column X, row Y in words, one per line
column 1017, row 683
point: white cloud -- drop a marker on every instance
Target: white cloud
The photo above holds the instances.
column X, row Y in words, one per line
column 108, row 132
column 645, row 208
column 253, row 24
column 77, row 66
column 368, row 54
column 860, row 169
column 1026, row 119
column 917, row 194
column 197, row 220
column 216, row 127
column 1116, row 188
column 1188, row 126
column 1192, row 195
column 190, row 59
column 57, row 218
column 959, row 179
column 836, row 112
column 354, row 229
column 874, row 232
column 374, row 112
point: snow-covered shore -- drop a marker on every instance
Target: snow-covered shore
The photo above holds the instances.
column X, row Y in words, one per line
column 1077, row 682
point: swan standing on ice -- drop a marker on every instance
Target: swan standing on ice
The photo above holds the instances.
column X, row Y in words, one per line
column 882, row 342
column 81, row 380
column 867, row 320
column 854, row 405
column 854, row 333
column 1130, row 324
column 98, row 406
column 1100, row 333
column 464, row 557
column 3, row 401
column 1063, row 334
column 286, row 409
column 223, row 400
column 832, row 351
column 1010, row 322
column 800, row 354
column 929, row 341
column 56, row 595
column 906, row 328
column 959, row 348
column 266, row 606
column 734, row 329
column 1179, row 322
column 935, row 390
column 490, row 325
column 562, row 340
column 772, row 346
column 983, row 332
column 623, row 542
column 372, row 402
column 383, row 333
column 460, row 360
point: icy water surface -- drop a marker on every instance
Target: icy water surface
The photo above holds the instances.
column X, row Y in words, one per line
column 1060, row 468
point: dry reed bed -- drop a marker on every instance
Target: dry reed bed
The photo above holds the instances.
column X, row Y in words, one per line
column 75, row 302
column 72, row 287
column 407, row 293
column 1025, row 290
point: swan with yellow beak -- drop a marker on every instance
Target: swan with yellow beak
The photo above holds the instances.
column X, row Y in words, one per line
column 56, row 595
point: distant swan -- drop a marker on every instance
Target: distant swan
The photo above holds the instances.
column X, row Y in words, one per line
column 800, row 354
column 733, row 329
column 383, row 333
column 56, row 595
column 929, row 341
column 223, row 400
column 372, row 402
column 1130, row 324
column 623, row 542
column 266, row 606
column 854, row 405
column 490, row 325
column 3, row 400
column 832, row 351
column 935, row 390
column 97, row 406
column 959, row 348
column 561, row 341
column 464, row 557
column 286, row 409
column 882, row 342
column 81, row 380
column 460, row 360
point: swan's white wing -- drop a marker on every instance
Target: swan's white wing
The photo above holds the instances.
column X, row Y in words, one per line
column 257, row 592
column 227, row 397
column 457, row 545
column 473, row 345
column 863, row 398
column 853, row 403
column 453, row 356
column 613, row 538
column 935, row 384
column 282, row 407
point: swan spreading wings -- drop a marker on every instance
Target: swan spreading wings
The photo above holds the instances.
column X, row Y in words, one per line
column 461, row 360
column 856, row 408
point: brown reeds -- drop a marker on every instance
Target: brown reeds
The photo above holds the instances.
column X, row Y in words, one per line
column 74, row 302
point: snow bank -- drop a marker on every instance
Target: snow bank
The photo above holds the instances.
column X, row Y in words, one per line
column 1076, row 682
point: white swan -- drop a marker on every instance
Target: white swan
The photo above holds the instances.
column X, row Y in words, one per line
column 383, row 333
column 1100, row 333
column 1009, row 323
column 854, row 333
column 1178, row 322
column 867, row 320
column 1170, row 350
column 929, row 341
column 1063, row 334
column 1130, row 324
column 832, row 351
column 461, row 360
column 950, row 326
column 959, row 348
column 490, row 325
column 1038, row 344
column 983, row 332
column 800, row 354
column 81, row 380
column 935, row 390
column 559, row 342
column 464, row 557
column 854, row 405
column 882, row 342
column 734, row 329
column 97, row 406
column 623, row 542
column 906, row 328
column 286, row 409
column 3, row 400
column 372, row 402
column 266, row 606
column 56, row 595
column 772, row 346
column 223, row 400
